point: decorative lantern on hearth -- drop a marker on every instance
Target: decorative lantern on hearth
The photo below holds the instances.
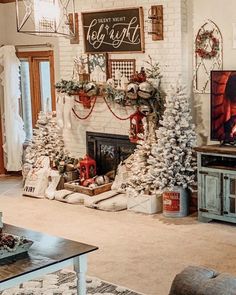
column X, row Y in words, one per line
column 87, row 168
column 136, row 126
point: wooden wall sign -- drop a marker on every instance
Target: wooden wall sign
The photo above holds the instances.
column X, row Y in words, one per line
column 75, row 39
column 118, row 30
column 157, row 22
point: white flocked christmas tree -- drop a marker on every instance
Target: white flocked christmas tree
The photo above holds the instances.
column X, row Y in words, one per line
column 172, row 162
column 138, row 183
column 47, row 141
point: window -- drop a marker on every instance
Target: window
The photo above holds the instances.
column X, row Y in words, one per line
column 37, row 86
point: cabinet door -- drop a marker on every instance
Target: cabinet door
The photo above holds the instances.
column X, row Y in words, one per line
column 210, row 196
column 230, row 195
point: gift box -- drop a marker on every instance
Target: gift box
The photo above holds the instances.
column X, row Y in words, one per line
column 149, row 204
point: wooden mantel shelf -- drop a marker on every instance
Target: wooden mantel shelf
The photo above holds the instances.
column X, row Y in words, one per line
column 217, row 149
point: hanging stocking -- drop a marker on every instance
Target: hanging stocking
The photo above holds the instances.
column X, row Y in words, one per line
column 59, row 108
column 69, row 103
column 54, row 179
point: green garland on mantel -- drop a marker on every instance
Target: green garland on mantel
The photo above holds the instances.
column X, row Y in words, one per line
column 155, row 103
column 69, row 87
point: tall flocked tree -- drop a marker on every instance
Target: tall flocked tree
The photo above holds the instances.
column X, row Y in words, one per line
column 138, row 184
column 172, row 162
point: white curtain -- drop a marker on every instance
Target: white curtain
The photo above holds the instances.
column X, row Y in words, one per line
column 13, row 126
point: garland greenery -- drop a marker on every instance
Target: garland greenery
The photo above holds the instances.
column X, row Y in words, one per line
column 154, row 103
column 70, row 87
column 114, row 95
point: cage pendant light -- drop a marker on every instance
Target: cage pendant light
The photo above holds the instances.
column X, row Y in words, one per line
column 46, row 17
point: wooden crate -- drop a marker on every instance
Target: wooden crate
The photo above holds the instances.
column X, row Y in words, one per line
column 69, row 176
column 149, row 204
column 86, row 190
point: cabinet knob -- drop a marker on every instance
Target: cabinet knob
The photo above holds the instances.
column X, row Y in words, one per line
column 226, row 177
column 225, row 212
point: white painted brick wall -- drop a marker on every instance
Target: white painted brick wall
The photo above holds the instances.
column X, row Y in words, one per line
column 184, row 40
column 169, row 53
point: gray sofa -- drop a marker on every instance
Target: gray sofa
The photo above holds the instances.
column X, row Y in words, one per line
column 195, row 280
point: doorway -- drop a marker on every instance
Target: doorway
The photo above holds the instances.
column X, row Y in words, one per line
column 37, row 87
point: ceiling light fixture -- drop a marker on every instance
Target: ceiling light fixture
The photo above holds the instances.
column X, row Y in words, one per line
column 46, row 17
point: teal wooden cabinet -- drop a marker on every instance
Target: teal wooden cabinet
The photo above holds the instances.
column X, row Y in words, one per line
column 210, row 192
column 216, row 183
column 229, row 189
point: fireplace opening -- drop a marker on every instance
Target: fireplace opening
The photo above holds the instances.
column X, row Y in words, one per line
column 108, row 150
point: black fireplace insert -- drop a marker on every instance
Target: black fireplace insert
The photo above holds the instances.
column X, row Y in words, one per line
column 108, row 150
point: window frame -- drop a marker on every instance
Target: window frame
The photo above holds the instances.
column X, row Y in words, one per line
column 34, row 58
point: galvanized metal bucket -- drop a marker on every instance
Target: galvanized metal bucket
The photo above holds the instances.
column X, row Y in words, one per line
column 176, row 202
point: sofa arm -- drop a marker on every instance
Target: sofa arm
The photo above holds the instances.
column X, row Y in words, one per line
column 190, row 279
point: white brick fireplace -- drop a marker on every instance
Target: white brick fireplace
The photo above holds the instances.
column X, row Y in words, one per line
column 170, row 53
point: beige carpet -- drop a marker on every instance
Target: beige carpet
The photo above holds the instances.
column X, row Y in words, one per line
column 141, row 252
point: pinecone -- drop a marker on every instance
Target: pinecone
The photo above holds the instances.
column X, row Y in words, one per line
column 7, row 240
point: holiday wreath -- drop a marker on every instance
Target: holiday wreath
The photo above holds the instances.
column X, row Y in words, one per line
column 203, row 41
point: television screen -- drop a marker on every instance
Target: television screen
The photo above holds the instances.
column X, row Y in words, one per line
column 223, row 106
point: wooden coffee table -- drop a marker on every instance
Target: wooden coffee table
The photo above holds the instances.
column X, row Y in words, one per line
column 47, row 254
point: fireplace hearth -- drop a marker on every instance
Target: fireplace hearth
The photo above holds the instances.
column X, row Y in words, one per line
column 108, row 150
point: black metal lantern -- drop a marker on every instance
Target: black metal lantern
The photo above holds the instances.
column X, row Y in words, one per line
column 46, row 17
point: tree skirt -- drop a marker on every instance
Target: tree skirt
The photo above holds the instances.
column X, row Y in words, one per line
column 63, row 283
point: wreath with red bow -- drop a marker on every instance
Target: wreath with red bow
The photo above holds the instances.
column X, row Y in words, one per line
column 204, row 41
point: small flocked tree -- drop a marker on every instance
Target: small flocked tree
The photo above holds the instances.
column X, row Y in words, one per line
column 172, row 162
column 47, row 141
column 138, row 183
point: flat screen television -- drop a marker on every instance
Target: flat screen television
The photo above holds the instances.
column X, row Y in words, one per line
column 223, row 106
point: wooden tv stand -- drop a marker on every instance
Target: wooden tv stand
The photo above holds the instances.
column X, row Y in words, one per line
column 216, row 183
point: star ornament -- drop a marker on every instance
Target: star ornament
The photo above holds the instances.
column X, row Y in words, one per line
column 107, row 28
